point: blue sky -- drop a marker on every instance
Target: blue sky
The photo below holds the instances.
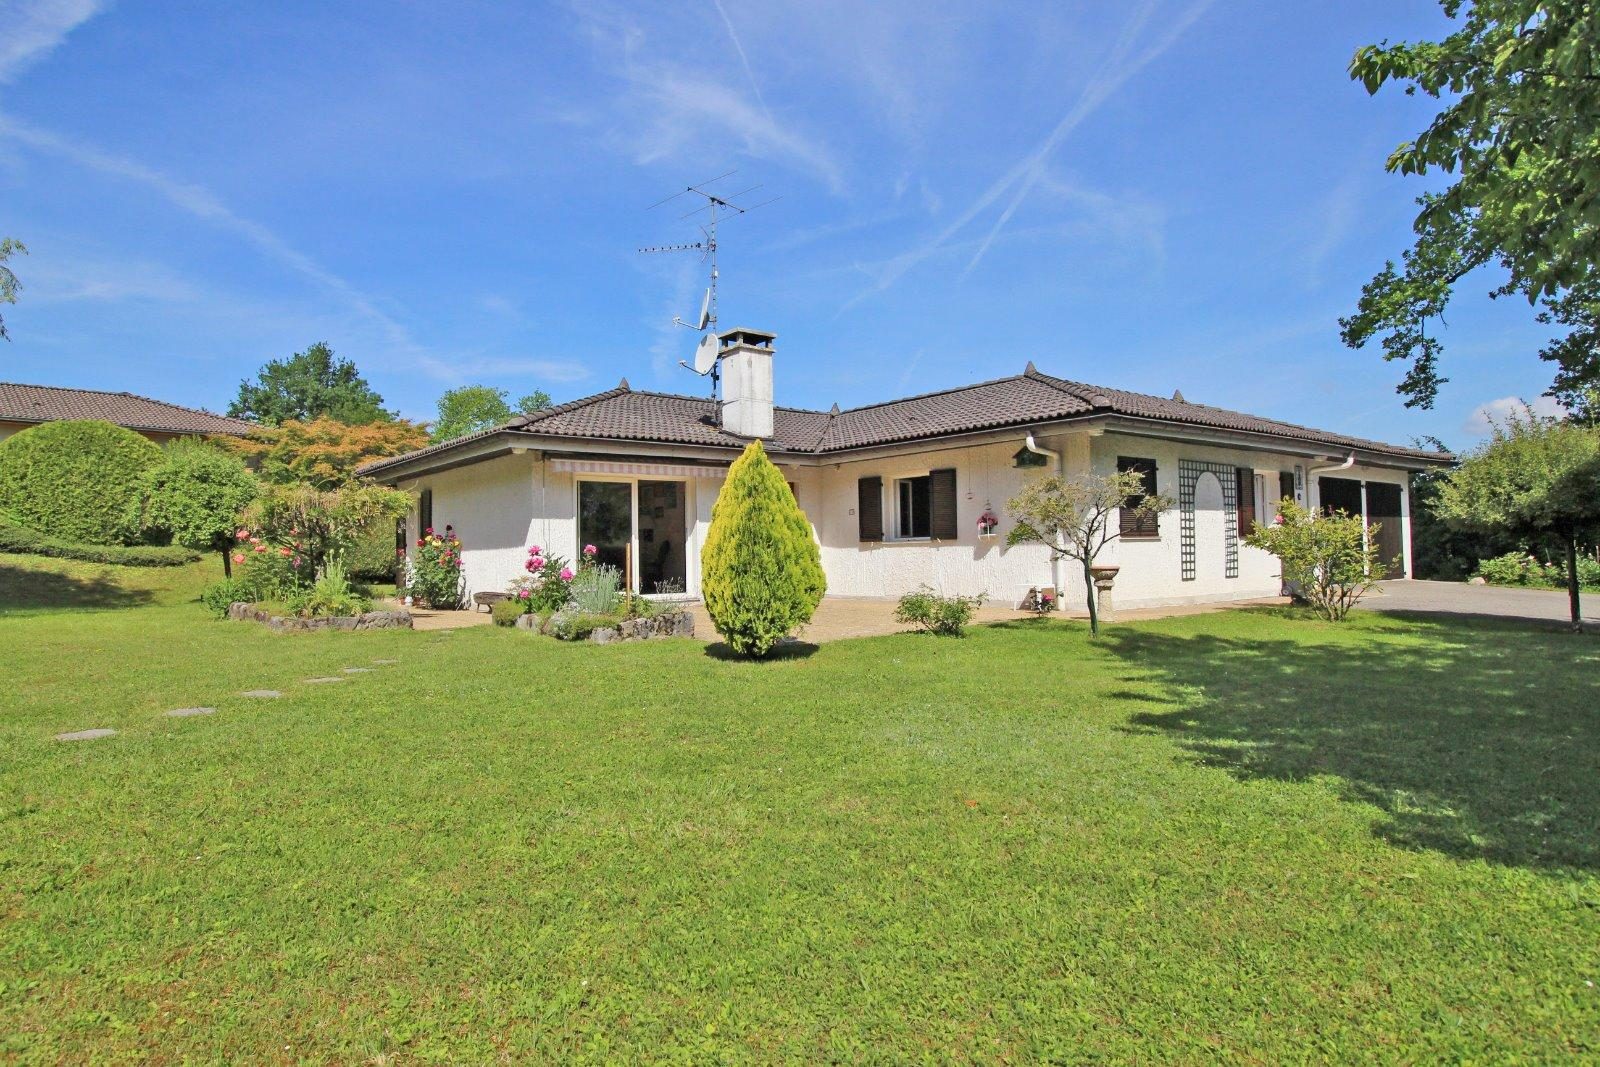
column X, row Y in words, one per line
column 1158, row 195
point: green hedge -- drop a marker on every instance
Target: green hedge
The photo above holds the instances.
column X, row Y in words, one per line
column 77, row 479
column 28, row 542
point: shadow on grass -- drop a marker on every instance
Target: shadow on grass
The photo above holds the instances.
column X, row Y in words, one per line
column 26, row 589
column 787, row 650
column 1477, row 739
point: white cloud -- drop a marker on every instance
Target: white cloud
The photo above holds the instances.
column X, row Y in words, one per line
column 1120, row 64
column 669, row 110
column 1484, row 416
column 32, row 29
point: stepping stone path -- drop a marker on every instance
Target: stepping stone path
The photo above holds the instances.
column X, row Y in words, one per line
column 266, row 693
column 184, row 713
column 85, row 735
column 385, row 662
column 322, row 681
column 357, row 670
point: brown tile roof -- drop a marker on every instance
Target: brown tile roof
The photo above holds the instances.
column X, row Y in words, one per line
column 622, row 414
column 48, row 403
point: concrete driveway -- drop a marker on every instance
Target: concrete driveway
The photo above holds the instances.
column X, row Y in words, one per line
column 1458, row 598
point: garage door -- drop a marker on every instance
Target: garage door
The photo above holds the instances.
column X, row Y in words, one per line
column 1383, row 510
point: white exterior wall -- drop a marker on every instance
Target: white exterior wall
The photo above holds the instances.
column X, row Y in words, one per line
column 501, row 506
column 1152, row 571
column 969, row 565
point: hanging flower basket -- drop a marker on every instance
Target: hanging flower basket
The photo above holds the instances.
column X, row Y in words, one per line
column 988, row 522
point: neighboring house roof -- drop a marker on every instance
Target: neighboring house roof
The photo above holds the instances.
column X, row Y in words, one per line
column 49, row 403
column 622, row 414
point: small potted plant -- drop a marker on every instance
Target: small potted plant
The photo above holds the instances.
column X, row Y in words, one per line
column 988, row 522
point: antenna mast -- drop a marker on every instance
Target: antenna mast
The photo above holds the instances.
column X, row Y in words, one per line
column 721, row 209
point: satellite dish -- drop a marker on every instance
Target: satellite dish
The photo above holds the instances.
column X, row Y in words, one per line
column 705, row 312
column 705, row 354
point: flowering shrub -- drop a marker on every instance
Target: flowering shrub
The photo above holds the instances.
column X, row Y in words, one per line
column 935, row 614
column 548, row 584
column 436, row 570
column 270, row 571
column 318, row 526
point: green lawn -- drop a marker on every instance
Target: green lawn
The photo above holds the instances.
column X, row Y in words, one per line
column 1247, row 836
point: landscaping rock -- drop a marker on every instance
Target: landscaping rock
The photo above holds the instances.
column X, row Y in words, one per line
column 265, row 694
column 1477, row 580
column 85, row 735
column 604, row 636
column 372, row 620
column 184, row 713
column 324, row 681
column 528, row 622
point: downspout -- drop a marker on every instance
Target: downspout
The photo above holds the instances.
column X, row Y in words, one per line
column 1055, row 557
column 1349, row 461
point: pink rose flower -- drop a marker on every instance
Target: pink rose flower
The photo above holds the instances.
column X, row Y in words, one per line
column 589, row 550
column 242, row 534
column 566, row 574
column 535, row 551
column 238, row 557
column 261, row 548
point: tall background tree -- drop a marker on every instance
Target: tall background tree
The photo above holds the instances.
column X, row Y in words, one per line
column 9, row 285
column 1520, row 133
column 306, row 386
column 480, row 407
column 1534, row 478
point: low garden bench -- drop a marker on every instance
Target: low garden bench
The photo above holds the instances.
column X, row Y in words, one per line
column 484, row 600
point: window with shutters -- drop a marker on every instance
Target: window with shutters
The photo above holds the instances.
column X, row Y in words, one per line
column 869, row 508
column 1136, row 524
column 1246, row 496
column 913, row 507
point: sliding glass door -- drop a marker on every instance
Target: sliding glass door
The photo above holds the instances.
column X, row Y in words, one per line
column 605, row 520
column 640, row 528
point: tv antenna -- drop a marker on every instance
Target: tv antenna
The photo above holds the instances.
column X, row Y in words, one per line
column 721, row 208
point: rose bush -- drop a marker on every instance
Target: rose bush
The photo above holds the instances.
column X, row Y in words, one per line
column 436, row 579
column 547, row 586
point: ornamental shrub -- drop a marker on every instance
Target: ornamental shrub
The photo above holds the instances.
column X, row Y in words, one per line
column 1513, row 568
column 947, row 616
column 77, row 480
column 1327, row 559
column 29, row 542
column 547, row 586
column 193, row 497
column 761, row 573
column 219, row 597
column 507, row 612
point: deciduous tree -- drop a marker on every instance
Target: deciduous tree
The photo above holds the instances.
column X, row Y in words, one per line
column 194, row 496
column 1536, row 478
column 324, row 453
column 9, row 285
column 1520, row 132
column 309, row 385
column 1072, row 518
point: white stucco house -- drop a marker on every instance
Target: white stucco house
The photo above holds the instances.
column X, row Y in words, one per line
column 895, row 491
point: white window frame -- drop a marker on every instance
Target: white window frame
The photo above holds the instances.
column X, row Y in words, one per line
column 894, row 498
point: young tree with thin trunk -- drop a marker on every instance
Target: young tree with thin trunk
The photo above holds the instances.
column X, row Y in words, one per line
column 1537, row 478
column 1073, row 518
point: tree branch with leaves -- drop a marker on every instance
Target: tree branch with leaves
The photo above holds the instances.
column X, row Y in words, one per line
column 9, row 286
column 1072, row 518
column 1520, row 132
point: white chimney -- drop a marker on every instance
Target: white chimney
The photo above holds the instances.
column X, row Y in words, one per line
column 746, row 357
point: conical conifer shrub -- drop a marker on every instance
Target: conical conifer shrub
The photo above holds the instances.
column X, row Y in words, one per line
column 761, row 573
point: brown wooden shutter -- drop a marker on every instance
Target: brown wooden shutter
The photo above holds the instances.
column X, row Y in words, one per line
column 1247, row 500
column 869, row 508
column 1132, row 523
column 942, row 504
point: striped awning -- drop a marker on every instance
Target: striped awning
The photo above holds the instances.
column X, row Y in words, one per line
column 639, row 470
